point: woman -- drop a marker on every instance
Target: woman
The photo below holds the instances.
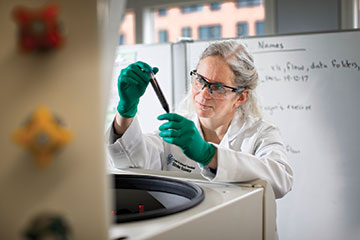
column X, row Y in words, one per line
column 220, row 132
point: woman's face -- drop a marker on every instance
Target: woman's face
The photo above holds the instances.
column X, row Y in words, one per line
column 215, row 70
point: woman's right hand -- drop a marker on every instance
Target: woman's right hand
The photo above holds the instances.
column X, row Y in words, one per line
column 132, row 83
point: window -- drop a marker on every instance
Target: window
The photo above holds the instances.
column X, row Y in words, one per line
column 186, row 32
column 163, row 36
column 242, row 29
column 122, row 39
column 127, row 29
column 123, row 17
column 209, row 32
column 191, row 8
column 162, row 11
column 215, row 6
column 260, row 28
column 213, row 13
column 247, row 3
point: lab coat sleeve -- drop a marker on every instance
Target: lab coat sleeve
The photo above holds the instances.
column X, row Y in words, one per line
column 134, row 149
column 268, row 162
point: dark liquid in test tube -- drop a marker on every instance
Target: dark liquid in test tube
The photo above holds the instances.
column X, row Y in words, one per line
column 159, row 93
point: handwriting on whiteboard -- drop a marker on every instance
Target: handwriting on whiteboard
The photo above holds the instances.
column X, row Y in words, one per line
column 292, row 150
column 271, row 109
column 301, row 73
column 315, row 65
column 345, row 64
column 272, row 47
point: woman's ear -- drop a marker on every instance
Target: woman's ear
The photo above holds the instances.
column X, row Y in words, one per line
column 241, row 98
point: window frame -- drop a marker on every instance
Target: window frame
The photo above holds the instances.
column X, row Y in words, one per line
column 189, row 29
column 163, row 31
column 244, row 24
column 162, row 12
column 192, row 8
column 248, row 3
column 257, row 28
column 122, row 39
column 216, row 4
column 209, row 26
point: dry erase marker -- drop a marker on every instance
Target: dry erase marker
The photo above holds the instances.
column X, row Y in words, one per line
column 158, row 91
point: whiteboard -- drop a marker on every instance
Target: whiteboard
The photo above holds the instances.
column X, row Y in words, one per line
column 309, row 87
column 157, row 55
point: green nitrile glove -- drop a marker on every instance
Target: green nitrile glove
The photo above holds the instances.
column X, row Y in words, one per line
column 183, row 133
column 132, row 83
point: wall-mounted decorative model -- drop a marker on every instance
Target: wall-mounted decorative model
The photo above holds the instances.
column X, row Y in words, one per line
column 39, row 29
column 43, row 136
column 48, row 226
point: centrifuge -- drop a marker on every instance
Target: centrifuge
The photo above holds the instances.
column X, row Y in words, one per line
column 149, row 204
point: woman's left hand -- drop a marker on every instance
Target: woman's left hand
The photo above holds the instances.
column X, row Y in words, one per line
column 183, row 133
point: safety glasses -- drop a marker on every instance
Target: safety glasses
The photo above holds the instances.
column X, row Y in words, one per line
column 217, row 90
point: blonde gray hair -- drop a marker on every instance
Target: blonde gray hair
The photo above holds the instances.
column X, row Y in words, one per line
column 242, row 64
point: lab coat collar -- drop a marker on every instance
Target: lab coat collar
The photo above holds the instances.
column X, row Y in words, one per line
column 236, row 124
column 197, row 124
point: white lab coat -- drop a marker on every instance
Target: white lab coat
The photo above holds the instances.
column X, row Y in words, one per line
column 251, row 149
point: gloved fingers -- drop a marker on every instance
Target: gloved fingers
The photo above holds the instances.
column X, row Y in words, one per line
column 168, row 140
column 169, row 133
column 128, row 73
column 171, row 117
column 133, row 78
column 146, row 67
column 172, row 140
column 170, row 125
column 125, row 84
column 155, row 70
column 135, row 72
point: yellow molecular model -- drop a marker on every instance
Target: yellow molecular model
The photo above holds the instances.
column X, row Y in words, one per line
column 43, row 136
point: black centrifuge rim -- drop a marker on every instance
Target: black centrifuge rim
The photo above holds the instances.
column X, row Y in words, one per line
column 182, row 188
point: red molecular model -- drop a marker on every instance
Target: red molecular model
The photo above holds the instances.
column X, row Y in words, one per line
column 39, row 29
